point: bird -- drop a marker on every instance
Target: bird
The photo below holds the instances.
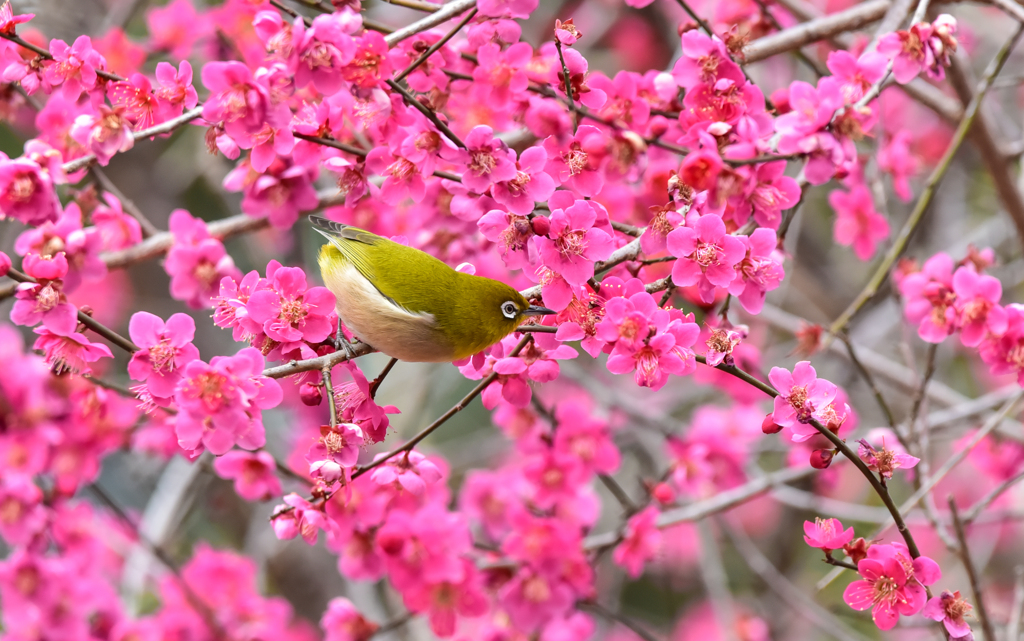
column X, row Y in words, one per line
column 411, row 306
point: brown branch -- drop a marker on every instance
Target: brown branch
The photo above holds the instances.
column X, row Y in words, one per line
column 441, row 420
column 325, row 372
column 46, row 55
column 434, row 47
column 156, row 130
column 418, row 5
column 429, row 113
column 380, row 377
column 444, row 14
column 318, row 363
column 148, row 228
column 972, row 572
column 566, row 78
column 870, row 380
column 814, row 30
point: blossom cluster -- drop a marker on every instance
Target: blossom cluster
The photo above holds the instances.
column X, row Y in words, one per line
column 638, row 206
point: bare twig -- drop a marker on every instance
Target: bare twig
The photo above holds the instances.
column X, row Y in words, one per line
column 434, row 47
column 427, row 112
column 444, row 14
column 318, row 363
column 637, row 629
column 814, row 30
column 567, row 79
column 156, row 130
column 975, row 510
column 972, row 572
column 870, row 380
column 329, row 389
column 380, row 377
column 148, row 228
column 1017, row 609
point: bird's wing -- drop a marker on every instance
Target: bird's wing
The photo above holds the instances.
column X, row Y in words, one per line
column 353, row 243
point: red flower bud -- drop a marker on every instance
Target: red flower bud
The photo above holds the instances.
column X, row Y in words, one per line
column 5, row 264
column 769, row 426
column 857, row 549
column 310, row 394
column 820, row 459
column 541, row 225
column 663, row 493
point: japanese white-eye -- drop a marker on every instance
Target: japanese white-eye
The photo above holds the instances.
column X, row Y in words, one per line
column 410, row 305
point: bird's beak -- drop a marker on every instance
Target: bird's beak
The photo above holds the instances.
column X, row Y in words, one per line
column 537, row 310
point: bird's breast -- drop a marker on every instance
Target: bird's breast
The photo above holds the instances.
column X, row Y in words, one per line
column 378, row 321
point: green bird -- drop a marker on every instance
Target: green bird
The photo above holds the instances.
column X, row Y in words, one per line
column 408, row 304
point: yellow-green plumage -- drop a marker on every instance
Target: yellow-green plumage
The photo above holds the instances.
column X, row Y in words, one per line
column 410, row 305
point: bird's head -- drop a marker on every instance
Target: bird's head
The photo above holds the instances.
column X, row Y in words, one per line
column 494, row 309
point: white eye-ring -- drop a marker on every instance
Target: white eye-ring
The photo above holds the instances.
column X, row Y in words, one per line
column 509, row 309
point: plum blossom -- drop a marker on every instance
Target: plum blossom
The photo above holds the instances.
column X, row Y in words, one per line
column 665, row 349
column 640, row 541
column 707, row 256
column 254, row 474
column 924, row 47
column 164, row 349
column 977, row 303
column 827, row 534
column 73, row 67
column 27, row 192
column 575, row 164
column 857, row 222
column 337, row 448
column 343, row 622
column 886, row 460
column 892, row 584
column 929, row 299
column 759, row 272
column 71, row 352
column 220, row 402
column 950, row 608
column 802, row 395
column 288, row 312
column 573, row 243
column 487, row 160
column 196, row 261
column 530, row 183
column 722, row 342
column 501, row 75
column 44, row 301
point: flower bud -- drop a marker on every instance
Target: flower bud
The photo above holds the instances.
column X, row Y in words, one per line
column 541, row 225
column 857, row 549
column 663, row 493
column 769, row 426
column 820, row 459
column 5, row 264
column 310, row 394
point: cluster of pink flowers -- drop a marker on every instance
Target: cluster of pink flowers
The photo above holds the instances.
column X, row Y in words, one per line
column 653, row 185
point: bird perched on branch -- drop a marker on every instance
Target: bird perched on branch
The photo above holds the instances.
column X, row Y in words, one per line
column 408, row 304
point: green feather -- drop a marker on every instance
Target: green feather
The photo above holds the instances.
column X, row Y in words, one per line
column 466, row 308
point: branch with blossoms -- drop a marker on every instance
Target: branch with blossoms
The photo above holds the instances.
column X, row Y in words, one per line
column 649, row 210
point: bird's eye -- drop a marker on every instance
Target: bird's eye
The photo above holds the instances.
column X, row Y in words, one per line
column 509, row 309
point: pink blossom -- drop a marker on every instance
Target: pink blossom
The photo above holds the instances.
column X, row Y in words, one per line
column 575, row 164
column 977, row 303
column 446, row 600
column 664, row 220
column 424, row 546
column 892, row 585
column 640, row 542
column 9, row 22
column 507, row 8
column 44, row 301
column 254, row 474
column 321, row 52
column 412, row 471
column 555, row 478
column 707, row 256
column 857, row 222
column 337, row 448
column 529, row 184
column 402, row 179
column 104, row 134
column 533, row 598
column 73, row 68
column 196, row 262
column 290, row 312
column 27, row 192
column 165, row 348
column 175, row 27
column 566, row 32
column 341, row 621
column 80, row 246
column 239, row 103
column 22, row 513
column 5, row 264
column 300, row 517
column 220, row 402
column 950, row 608
column 722, row 342
column 116, row 228
column 573, row 243
column 70, row 352
column 487, row 160
column 370, row 62
column 666, row 350
column 895, row 158
column 705, row 60
column 511, row 233
column 176, row 86
column 802, row 395
column 586, row 437
column 500, row 75
column 770, row 193
column 139, row 105
column 827, row 534
column 355, row 405
column 1005, row 354
column 929, row 299
column 885, row 461
column 922, row 47
column 857, row 75
column 759, row 272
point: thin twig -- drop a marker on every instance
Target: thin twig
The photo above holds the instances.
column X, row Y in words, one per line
column 434, row 47
column 903, row 237
column 318, row 363
column 394, row 624
column 148, row 228
column 637, row 629
column 869, row 379
column 380, row 377
column 430, row 114
column 618, row 492
column 972, row 572
column 929, row 371
column 43, row 53
column 329, row 388
column 1017, row 609
column 441, row 420
column 972, row 513
column 566, row 78
column 156, row 130
column 292, row 12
